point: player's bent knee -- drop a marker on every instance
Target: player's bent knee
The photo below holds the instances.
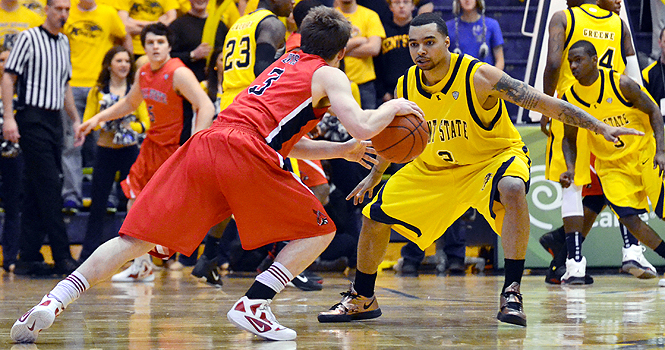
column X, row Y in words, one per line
column 512, row 189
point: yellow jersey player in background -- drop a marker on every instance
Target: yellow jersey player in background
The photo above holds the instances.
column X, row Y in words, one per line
column 631, row 171
column 250, row 46
column 599, row 23
column 475, row 158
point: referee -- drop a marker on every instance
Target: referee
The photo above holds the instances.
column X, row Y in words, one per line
column 39, row 64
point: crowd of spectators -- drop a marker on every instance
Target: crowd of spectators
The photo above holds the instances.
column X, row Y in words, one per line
column 102, row 37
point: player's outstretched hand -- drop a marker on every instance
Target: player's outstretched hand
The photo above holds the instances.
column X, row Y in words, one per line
column 659, row 162
column 366, row 186
column 360, row 152
column 567, row 178
column 612, row 133
column 404, row 107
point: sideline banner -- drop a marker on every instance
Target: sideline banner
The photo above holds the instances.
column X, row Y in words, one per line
column 602, row 247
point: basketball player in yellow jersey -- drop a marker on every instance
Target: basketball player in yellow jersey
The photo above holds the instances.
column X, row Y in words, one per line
column 632, row 170
column 606, row 31
column 250, row 46
column 474, row 158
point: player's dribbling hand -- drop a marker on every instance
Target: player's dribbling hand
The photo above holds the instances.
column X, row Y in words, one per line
column 612, row 133
column 659, row 162
column 360, row 152
column 567, row 178
column 405, row 107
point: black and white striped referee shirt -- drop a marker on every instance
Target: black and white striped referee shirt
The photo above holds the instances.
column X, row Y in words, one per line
column 42, row 63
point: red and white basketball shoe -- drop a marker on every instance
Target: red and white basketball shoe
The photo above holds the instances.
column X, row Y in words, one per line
column 254, row 316
column 27, row 328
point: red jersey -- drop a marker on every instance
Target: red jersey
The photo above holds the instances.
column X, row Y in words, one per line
column 164, row 104
column 278, row 103
column 293, row 42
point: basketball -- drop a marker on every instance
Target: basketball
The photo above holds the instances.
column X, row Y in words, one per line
column 403, row 139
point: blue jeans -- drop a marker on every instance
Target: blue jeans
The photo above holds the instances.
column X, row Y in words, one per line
column 72, row 160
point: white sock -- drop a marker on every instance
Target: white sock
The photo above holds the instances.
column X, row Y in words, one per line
column 70, row 289
column 276, row 277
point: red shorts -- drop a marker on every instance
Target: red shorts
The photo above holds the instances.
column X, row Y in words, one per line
column 594, row 188
column 311, row 173
column 150, row 158
column 219, row 172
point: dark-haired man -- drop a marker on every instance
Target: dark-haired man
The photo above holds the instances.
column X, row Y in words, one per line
column 164, row 83
column 633, row 170
column 474, row 155
column 39, row 66
column 235, row 167
column 250, row 46
column 599, row 23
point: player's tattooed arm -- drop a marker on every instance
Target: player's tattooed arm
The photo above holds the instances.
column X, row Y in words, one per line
column 523, row 95
column 527, row 97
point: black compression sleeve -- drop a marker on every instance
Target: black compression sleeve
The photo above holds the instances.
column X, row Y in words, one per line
column 265, row 56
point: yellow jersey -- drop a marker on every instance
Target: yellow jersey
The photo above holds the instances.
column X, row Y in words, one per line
column 145, row 10
column 365, row 23
column 91, row 34
column 462, row 132
column 603, row 29
column 36, row 6
column 14, row 22
column 603, row 100
column 240, row 55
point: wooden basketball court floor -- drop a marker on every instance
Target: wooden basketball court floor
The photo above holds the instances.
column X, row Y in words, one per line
column 428, row 312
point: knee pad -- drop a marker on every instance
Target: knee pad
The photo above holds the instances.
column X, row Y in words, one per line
column 571, row 203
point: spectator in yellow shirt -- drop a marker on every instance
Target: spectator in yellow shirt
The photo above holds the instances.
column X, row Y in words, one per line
column 136, row 14
column 365, row 43
column 92, row 29
column 14, row 19
column 36, row 6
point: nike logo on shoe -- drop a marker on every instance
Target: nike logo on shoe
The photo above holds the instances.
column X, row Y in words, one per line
column 366, row 306
column 215, row 276
column 260, row 326
column 302, row 278
column 32, row 328
column 25, row 316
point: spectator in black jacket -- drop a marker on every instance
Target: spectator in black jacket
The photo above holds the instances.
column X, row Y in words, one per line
column 188, row 29
column 394, row 58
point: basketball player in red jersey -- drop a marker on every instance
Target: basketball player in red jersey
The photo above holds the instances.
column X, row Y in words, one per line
column 163, row 83
column 235, row 167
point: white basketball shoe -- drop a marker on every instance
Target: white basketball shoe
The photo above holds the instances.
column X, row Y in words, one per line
column 255, row 316
column 27, row 328
column 575, row 272
column 636, row 264
column 141, row 270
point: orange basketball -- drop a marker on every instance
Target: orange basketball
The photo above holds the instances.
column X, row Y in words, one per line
column 403, row 139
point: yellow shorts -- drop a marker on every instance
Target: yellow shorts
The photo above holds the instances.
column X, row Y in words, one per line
column 628, row 183
column 555, row 164
column 421, row 202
